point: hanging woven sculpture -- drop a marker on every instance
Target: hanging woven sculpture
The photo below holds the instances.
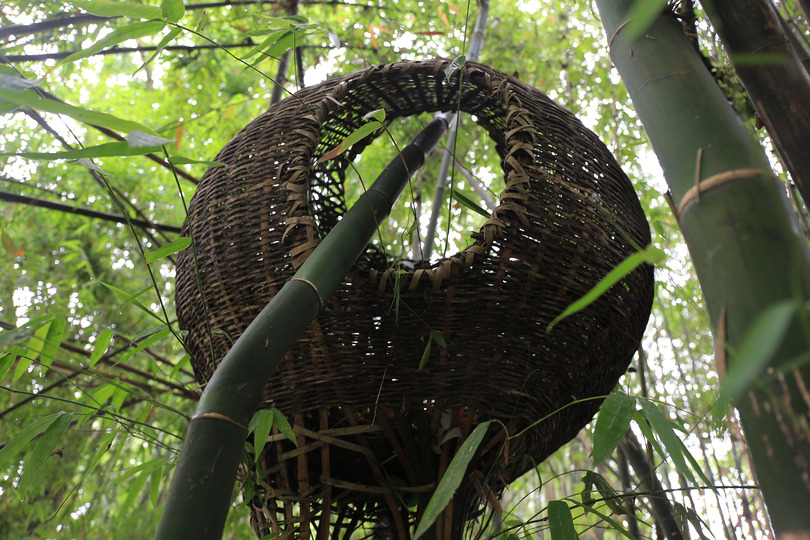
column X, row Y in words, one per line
column 374, row 432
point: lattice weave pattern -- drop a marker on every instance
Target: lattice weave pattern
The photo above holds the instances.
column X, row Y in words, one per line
column 366, row 417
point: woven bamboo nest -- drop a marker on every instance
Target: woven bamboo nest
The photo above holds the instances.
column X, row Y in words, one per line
column 375, row 433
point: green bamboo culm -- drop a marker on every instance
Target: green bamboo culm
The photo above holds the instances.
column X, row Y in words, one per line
column 743, row 238
column 202, row 488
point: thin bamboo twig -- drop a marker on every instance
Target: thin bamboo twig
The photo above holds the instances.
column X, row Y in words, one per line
column 476, row 44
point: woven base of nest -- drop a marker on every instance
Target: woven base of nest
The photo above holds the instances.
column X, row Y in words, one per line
column 382, row 466
column 566, row 217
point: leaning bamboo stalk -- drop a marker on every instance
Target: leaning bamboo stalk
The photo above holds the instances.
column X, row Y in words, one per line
column 201, row 490
column 743, row 239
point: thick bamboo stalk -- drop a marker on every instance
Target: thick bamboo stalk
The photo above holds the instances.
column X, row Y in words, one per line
column 203, row 482
column 742, row 236
column 773, row 75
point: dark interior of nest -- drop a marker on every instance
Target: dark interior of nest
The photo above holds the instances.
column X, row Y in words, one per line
column 409, row 356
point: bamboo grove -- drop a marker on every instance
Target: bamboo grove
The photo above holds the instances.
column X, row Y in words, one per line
column 111, row 112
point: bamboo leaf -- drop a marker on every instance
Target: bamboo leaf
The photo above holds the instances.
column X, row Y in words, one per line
column 104, row 445
column 173, row 33
column 185, row 361
column 376, row 114
column 681, row 520
column 111, row 8
column 15, row 83
column 202, row 22
column 455, row 65
column 99, row 395
column 607, row 519
column 289, row 40
column 173, row 247
column 24, row 361
column 144, row 343
column 35, row 346
column 611, row 425
column 100, row 346
column 92, row 166
column 53, row 341
column 677, row 451
column 650, row 255
column 642, row 424
column 697, row 522
column 469, row 203
column 355, row 136
column 133, row 299
column 758, row 347
column 560, row 521
column 44, row 449
column 138, row 139
column 173, row 10
column 102, row 150
column 22, row 334
column 30, row 99
column 154, row 485
column 20, row 441
column 260, row 425
column 148, row 332
column 425, row 354
column 451, row 480
column 7, row 359
column 607, row 494
column 437, row 336
column 281, row 423
column 272, row 37
column 136, row 486
column 135, row 30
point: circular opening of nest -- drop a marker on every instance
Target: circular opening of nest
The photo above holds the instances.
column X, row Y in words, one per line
column 469, row 168
column 471, row 188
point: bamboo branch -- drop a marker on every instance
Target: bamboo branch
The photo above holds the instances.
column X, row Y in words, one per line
column 81, row 211
column 86, row 18
column 60, row 55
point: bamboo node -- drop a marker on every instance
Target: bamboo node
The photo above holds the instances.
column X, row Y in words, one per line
column 217, row 416
column 313, row 287
column 712, row 182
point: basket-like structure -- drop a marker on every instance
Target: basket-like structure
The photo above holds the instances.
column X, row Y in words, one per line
column 375, row 433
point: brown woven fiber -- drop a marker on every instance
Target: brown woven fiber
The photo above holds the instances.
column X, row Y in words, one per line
column 375, row 433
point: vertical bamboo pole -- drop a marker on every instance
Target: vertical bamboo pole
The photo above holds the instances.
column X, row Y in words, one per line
column 476, row 44
column 743, row 239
